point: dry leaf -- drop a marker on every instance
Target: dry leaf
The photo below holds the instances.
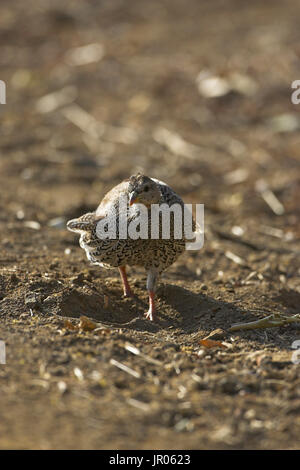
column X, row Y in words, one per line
column 69, row 325
column 210, row 343
column 86, row 324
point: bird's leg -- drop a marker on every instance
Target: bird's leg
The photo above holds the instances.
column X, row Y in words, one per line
column 126, row 287
column 151, row 282
column 151, row 314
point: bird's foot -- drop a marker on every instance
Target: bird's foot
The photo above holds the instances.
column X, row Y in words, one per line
column 150, row 315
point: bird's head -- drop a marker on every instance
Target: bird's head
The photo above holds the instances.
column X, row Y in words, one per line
column 143, row 190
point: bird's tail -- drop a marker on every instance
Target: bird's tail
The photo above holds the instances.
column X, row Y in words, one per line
column 85, row 223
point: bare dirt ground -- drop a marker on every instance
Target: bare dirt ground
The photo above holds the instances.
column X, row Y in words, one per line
column 63, row 388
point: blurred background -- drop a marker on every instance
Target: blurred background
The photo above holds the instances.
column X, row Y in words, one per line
column 198, row 94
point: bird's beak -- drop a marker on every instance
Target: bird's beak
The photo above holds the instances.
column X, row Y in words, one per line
column 133, row 198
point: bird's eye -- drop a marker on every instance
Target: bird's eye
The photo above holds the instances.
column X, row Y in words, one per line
column 146, row 189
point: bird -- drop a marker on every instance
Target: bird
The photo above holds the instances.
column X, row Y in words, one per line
column 155, row 255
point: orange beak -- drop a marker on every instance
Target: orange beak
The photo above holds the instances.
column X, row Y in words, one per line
column 133, row 199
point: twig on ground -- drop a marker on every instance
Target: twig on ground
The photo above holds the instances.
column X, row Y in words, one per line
column 235, row 258
column 272, row 321
column 269, row 197
column 236, row 239
column 125, row 368
column 129, row 347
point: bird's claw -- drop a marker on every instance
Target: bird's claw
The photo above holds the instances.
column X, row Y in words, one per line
column 150, row 315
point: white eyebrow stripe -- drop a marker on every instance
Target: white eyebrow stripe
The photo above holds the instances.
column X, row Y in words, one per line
column 158, row 181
